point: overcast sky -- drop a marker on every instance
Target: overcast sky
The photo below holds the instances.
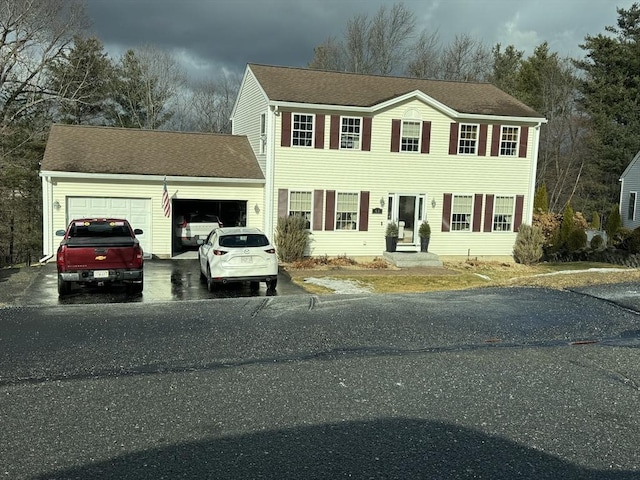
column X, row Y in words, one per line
column 208, row 36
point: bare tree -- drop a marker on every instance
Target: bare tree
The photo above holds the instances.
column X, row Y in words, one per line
column 212, row 103
column 466, row 59
column 328, row 56
column 425, row 57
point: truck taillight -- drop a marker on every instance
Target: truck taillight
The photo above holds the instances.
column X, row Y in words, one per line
column 60, row 256
column 138, row 256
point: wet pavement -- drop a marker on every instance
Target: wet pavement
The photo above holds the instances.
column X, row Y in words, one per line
column 164, row 281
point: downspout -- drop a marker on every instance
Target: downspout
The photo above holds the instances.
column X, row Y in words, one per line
column 534, row 168
column 47, row 219
column 269, row 192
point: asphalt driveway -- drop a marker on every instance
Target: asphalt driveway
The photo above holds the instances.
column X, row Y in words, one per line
column 164, row 281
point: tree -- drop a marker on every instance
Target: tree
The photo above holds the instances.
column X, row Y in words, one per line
column 82, row 77
column 610, row 96
column 506, row 68
column 466, row 60
column 541, row 200
column 212, row 103
column 424, row 57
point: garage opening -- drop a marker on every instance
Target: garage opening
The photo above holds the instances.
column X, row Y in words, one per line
column 232, row 213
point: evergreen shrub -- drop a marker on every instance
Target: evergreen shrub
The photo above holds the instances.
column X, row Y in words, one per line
column 292, row 237
column 528, row 247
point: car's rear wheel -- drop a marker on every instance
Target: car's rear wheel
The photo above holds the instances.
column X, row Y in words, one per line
column 203, row 277
column 211, row 285
column 254, row 286
column 271, row 284
column 64, row 287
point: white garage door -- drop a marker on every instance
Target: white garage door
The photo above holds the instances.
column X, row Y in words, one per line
column 136, row 210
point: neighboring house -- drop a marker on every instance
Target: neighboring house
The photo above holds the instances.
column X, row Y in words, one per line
column 101, row 171
column 629, row 190
column 352, row 152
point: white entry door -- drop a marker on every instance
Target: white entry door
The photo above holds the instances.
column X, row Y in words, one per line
column 136, row 210
column 407, row 210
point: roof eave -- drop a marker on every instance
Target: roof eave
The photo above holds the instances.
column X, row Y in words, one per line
column 158, row 178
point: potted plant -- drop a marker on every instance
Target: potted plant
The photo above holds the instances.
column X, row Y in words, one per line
column 391, row 236
column 425, row 234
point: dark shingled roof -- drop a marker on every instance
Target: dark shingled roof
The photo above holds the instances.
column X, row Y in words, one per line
column 300, row 85
column 89, row 149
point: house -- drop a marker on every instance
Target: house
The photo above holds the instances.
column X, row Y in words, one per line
column 102, row 171
column 352, row 152
column 349, row 152
column 629, row 188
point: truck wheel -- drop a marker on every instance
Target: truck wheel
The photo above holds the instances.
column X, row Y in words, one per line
column 64, row 287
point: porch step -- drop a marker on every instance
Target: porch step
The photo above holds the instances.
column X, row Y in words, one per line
column 413, row 259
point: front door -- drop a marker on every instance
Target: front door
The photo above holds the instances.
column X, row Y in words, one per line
column 407, row 210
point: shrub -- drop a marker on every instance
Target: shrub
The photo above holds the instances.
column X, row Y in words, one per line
column 392, row 230
column 528, row 246
column 291, row 238
column 595, row 222
column 632, row 241
column 566, row 228
column 597, row 242
column 541, row 200
column 577, row 240
column 614, row 223
column 425, row 230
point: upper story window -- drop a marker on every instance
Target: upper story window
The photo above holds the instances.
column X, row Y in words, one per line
column 503, row 214
column 350, row 132
column 300, row 204
column 461, row 213
column 410, row 137
column 347, row 211
column 468, row 139
column 302, row 130
column 263, row 132
column 509, row 141
column 632, row 206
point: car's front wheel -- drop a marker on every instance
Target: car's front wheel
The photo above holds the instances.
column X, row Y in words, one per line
column 211, row 285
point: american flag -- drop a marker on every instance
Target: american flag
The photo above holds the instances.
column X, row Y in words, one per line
column 166, row 204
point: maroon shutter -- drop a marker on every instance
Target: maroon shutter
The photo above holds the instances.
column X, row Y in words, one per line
column 524, row 138
column 426, row 137
column 330, row 210
column 283, row 202
column 453, row 139
column 318, row 200
column 477, row 212
column 446, row 212
column 482, row 141
column 517, row 221
column 488, row 213
column 495, row 140
column 363, row 217
column 366, row 134
column 319, row 135
column 334, row 134
column 395, row 135
column 285, row 134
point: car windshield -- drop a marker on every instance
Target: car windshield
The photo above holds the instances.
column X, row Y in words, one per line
column 242, row 241
column 99, row 229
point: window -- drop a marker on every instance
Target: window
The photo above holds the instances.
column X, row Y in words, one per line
column 300, row 204
column 461, row 212
column 632, row 206
column 302, row 134
column 468, row 139
column 503, row 214
column 350, row 133
column 509, row 141
column 410, row 138
column 263, row 132
column 347, row 211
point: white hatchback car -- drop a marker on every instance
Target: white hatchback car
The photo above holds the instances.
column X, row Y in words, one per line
column 238, row 254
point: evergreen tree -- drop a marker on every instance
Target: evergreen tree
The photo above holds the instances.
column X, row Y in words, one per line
column 541, row 200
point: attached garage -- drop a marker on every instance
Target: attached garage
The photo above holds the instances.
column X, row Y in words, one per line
column 116, row 172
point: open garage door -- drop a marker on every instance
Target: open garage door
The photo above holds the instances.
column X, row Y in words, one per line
column 232, row 213
column 136, row 210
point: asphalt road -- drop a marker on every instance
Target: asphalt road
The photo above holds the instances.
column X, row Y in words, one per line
column 493, row 383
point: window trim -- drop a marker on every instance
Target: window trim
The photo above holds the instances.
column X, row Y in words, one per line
column 356, row 222
column 312, row 131
column 419, row 124
column 263, row 133
column 359, row 134
column 310, row 219
column 471, row 213
column 631, row 208
column 516, row 142
column 475, row 141
column 513, row 213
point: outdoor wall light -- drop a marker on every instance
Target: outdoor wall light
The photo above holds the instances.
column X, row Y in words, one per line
column 57, row 205
column 382, row 201
column 256, row 208
column 433, row 203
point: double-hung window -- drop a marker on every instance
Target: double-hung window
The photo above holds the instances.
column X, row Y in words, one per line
column 509, row 141
column 263, row 132
column 410, row 136
column 503, row 213
column 300, row 204
column 302, row 131
column 350, row 132
column 461, row 213
column 347, row 211
column 468, row 139
column 632, row 206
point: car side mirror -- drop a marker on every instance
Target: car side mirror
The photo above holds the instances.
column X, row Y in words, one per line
column 60, row 233
column 200, row 241
column 138, row 231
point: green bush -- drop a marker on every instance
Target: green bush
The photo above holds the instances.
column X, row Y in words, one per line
column 541, row 200
column 597, row 242
column 613, row 224
column 392, row 230
column 595, row 222
column 632, row 242
column 528, row 246
column 577, row 240
column 292, row 237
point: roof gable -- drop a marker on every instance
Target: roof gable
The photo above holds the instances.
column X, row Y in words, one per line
column 631, row 165
column 109, row 150
column 318, row 87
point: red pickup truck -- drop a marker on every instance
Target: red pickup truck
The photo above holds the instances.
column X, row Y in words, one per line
column 100, row 251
